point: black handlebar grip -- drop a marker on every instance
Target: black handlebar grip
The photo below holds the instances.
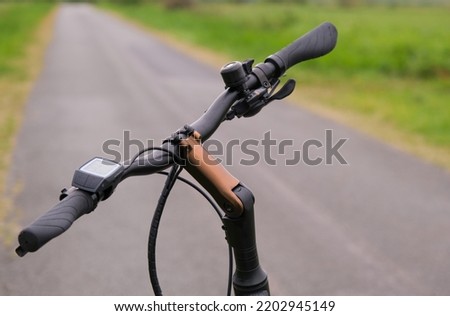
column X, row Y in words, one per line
column 56, row 221
column 315, row 43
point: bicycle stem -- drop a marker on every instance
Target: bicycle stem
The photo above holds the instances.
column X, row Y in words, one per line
column 237, row 201
column 212, row 175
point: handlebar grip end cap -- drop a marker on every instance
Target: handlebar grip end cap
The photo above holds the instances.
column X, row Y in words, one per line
column 56, row 221
column 28, row 242
column 21, row 252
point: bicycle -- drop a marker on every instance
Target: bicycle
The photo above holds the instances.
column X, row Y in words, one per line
column 247, row 90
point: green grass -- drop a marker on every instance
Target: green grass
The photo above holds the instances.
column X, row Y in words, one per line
column 391, row 66
column 17, row 25
column 392, row 41
column 22, row 41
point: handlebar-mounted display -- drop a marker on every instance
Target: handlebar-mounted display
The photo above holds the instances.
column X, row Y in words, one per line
column 99, row 176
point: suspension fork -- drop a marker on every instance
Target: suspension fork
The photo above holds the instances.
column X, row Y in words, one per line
column 237, row 201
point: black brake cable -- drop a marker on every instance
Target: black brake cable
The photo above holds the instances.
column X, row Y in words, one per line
column 145, row 150
column 168, row 185
column 220, row 214
column 172, row 176
column 199, row 190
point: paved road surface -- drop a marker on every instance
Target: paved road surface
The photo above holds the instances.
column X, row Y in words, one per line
column 377, row 226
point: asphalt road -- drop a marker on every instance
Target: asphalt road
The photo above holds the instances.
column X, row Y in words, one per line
column 378, row 225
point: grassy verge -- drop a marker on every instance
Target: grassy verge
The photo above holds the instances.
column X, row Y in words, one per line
column 388, row 76
column 25, row 31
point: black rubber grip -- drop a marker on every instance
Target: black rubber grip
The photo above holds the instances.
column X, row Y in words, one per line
column 56, row 221
column 315, row 43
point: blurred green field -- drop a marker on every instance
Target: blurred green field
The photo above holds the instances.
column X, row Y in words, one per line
column 24, row 32
column 389, row 74
column 17, row 26
column 18, row 23
column 392, row 41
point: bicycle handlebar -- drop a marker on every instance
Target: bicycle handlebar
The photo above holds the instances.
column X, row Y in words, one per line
column 56, row 221
column 316, row 43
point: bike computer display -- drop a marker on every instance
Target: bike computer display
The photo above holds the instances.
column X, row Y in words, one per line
column 97, row 175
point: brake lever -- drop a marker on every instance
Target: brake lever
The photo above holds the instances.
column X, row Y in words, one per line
column 265, row 99
column 253, row 103
column 284, row 92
